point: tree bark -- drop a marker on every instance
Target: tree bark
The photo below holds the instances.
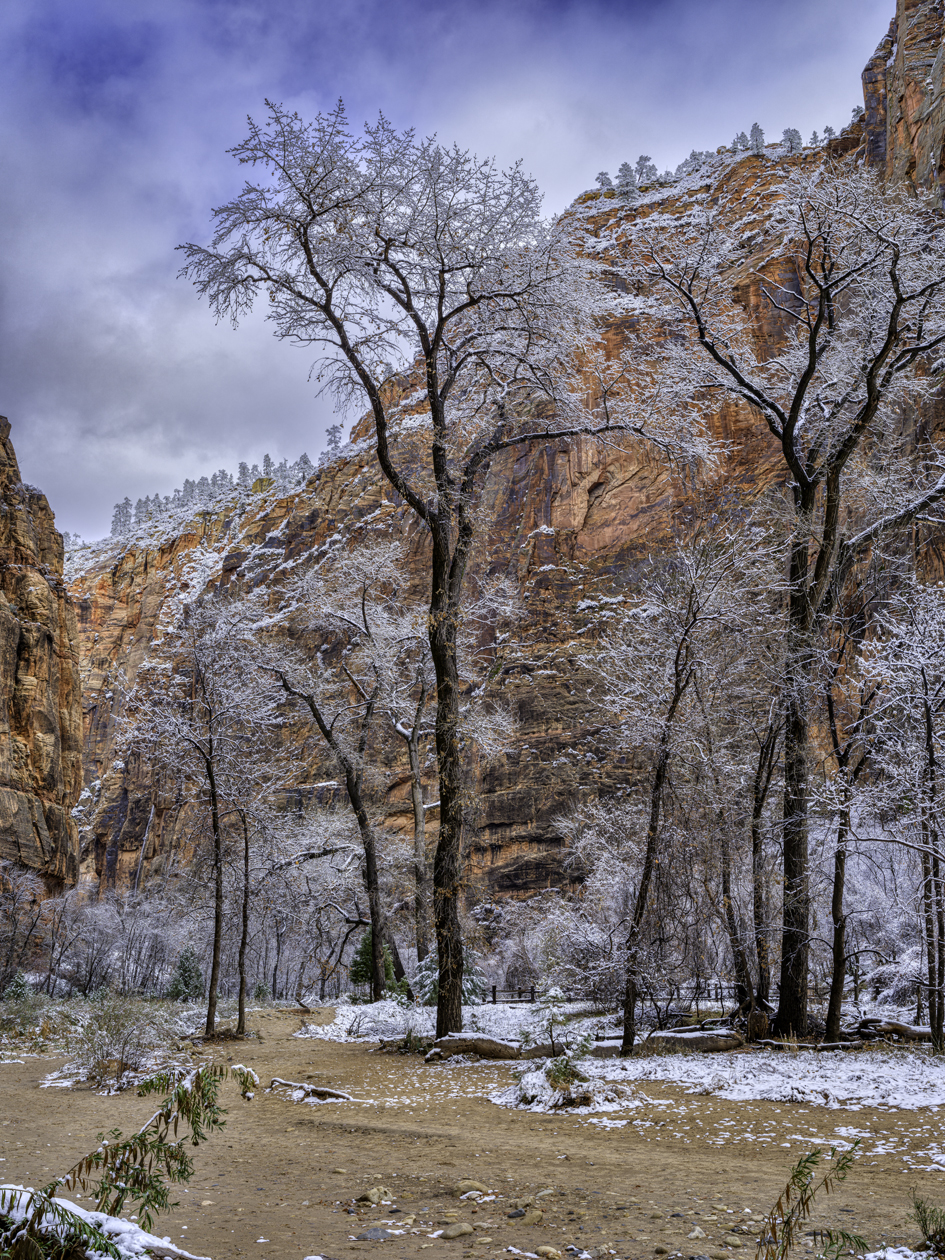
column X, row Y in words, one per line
column 764, row 772
column 447, row 862
column 839, row 946
column 217, row 897
column 420, row 873
column 744, row 990
column 791, row 1018
column 244, row 933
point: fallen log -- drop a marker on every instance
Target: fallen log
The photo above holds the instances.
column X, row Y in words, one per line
column 874, row 1027
column 312, row 1091
column 695, row 1039
column 473, row 1043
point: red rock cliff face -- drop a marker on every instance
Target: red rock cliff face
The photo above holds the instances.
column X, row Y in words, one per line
column 40, row 710
column 904, row 95
column 571, row 525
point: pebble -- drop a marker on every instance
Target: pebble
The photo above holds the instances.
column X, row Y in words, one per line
column 340, row 1170
column 374, row 1235
column 697, row 1233
column 550, row 1253
column 457, row 1230
column 532, row 1216
column 661, row 1250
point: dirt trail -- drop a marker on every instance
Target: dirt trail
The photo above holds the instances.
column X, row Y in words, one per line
column 269, row 1184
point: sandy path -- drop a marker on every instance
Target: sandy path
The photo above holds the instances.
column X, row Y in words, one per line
column 270, row 1174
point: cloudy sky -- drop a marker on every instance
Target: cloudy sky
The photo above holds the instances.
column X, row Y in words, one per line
column 115, row 117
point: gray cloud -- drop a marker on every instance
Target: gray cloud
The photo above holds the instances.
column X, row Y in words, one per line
column 115, row 122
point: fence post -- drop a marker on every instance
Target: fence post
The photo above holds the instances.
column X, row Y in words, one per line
column 533, row 993
column 493, row 995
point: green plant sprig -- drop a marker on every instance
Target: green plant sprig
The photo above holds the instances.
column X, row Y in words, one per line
column 781, row 1225
column 136, row 1169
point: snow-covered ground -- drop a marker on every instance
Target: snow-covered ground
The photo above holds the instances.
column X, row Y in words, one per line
column 885, row 1080
column 528, row 1022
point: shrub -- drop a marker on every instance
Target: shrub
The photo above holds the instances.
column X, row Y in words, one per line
column 119, row 1036
column 187, row 982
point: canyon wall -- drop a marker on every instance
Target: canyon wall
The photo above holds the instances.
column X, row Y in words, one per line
column 570, row 523
column 40, row 710
column 904, row 96
column 571, row 526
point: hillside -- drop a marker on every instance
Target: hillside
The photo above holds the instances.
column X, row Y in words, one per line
column 570, row 524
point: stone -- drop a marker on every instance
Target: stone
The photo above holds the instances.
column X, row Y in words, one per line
column 551, row 1253
column 661, row 1250
column 375, row 1234
column 377, row 1194
column 457, row 1230
column 467, row 1184
column 532, row 1216
column 733, row 1240
column 697, row 1233
column 340, row 1170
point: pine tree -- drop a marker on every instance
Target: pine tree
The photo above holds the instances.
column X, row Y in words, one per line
column 187, row 981
column 814, row 140
column 757, row 140
column 267, row 466
column 829, row 134
column 244, row 477
column 604, row 182
column 121, row 518
column 791, row 139
column 645, row 171
column 858, row 113
column 141, row 512
column 333, row 435
column 360, row 969
column 741, row 141
column 626, row 180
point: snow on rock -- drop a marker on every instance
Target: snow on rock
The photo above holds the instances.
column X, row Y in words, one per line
column 130, row 1240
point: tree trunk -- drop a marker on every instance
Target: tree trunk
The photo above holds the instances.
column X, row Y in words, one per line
column 744, row 990
column 421, row 877
column 244, row 934
column 839, row 959
column 764, row 772
column 632, row 982
column 791, row 1019
column 217, row 901
column 448, row 859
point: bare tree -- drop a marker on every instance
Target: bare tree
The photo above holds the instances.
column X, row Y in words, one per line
column 201, row 707
column 854, row 276
column 418, row 269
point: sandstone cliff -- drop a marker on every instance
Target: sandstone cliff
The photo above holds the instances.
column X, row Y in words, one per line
column 904, row 96
column 40, row 711
column 571, row 525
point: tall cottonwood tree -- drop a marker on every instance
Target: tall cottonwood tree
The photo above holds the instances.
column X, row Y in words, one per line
column 852, row 273
column 403, row 260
